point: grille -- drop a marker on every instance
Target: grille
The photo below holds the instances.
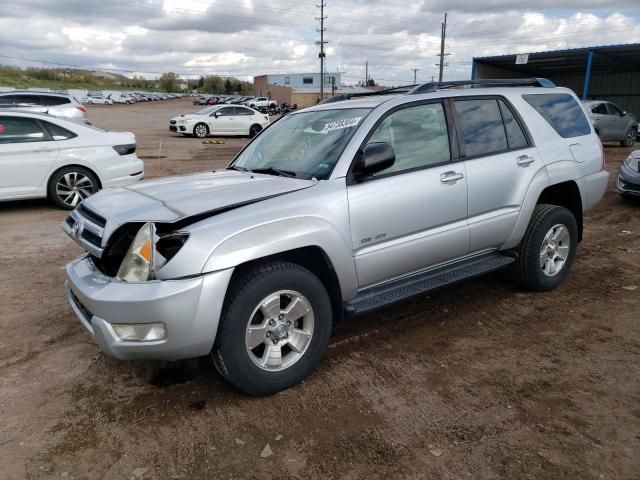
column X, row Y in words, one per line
column 94, row 217
column 630, row 186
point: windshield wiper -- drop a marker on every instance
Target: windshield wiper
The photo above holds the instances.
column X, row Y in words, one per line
column 275, row 171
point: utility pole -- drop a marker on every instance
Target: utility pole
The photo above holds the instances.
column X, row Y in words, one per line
column 443, row 36
column 415, row 72
column 322, row 43
column 366, row 73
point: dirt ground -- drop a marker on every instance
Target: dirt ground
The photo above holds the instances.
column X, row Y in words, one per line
column 481, row 381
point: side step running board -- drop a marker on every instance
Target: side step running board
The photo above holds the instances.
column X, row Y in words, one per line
column 386, row 294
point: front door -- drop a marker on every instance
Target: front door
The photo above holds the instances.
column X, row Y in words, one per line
column 221, row 121
column 413, row 214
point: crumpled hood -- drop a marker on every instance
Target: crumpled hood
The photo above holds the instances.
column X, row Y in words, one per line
column 175, row 198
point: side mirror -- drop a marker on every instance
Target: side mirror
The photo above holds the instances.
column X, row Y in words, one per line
column 376, row 157
column 623, row 114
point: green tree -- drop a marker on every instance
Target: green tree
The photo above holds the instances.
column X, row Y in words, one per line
column 169, row 82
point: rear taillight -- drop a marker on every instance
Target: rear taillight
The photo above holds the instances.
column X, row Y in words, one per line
column 125, row 149
column 82, row 108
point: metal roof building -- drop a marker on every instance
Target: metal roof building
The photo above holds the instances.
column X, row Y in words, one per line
column 603, row 72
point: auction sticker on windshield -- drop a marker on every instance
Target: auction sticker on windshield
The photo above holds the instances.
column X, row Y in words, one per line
column 339, row 124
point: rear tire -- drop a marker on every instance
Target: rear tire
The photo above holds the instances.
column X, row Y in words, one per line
column 254, row 130
column 68, row 186
column 264, row 344
column 630, row 138
column 547, row 251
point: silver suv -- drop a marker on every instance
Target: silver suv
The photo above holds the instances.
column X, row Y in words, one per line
column 338, row 209
column 54, row 104
column 612, row 123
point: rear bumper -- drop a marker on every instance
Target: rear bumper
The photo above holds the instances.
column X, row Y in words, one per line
column 189, row 309
column 125, row 173
column 592, row 188
column 628, row 181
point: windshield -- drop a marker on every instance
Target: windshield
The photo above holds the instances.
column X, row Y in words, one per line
column 307, row 144
column 208, row 110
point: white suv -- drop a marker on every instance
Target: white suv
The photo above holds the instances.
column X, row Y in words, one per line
column 55, row 104
column 45, row 156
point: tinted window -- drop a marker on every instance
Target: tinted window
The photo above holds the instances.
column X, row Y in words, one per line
column 51, row 101
column 20, row 130
column 418, row 135
column 243, row 111
column 7, row 99
column 224, row 112
column 613, row 109
column 307, row 80
column 600, row 109
column 562, row 112
column 57, row 132
column 515, row 136
column 481, row 124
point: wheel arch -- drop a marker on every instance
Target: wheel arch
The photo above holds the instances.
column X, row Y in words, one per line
column 70, row 165
column 565, row 194
column 311, row 257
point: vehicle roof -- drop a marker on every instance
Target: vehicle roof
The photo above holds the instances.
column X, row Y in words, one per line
column 374, row 101
column 36, row 92
column 23, row 112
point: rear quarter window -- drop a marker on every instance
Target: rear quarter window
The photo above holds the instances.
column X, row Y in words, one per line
column 562, row 112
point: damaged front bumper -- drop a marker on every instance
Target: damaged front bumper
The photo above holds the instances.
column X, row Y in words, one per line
column 188, row 308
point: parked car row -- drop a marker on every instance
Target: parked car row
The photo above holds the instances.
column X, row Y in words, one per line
column 99, row 98
column 249, row 101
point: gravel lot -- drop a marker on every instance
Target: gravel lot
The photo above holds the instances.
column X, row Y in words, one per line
column 482, row 381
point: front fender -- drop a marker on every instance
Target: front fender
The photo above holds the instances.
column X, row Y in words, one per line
column 284, row 235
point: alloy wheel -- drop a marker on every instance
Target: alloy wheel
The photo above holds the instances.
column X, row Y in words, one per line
column 279, row 330
column 73, row 187
column 555, row 250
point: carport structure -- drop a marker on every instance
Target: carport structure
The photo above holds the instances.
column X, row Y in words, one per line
column 608, row 72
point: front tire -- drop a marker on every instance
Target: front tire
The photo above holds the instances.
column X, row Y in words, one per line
column 274, row 328
column 547, row 251
column 71, row 185
column 201, row 130
column 630, row 138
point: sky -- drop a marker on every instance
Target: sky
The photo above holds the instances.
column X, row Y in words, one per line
column 243, row 38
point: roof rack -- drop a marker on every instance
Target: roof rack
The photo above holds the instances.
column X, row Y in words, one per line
column 389, row 91
column 497, row 82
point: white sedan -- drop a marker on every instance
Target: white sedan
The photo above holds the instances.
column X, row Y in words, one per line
column 99, row 100
column 220, row 120
column 45, row 156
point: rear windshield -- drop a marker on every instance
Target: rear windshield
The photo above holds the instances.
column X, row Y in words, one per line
column 562, row 112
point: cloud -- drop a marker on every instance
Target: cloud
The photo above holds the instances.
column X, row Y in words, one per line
column 247, row 37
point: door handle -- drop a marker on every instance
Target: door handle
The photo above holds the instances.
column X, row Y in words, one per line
column 451, row 177
column 524, row 160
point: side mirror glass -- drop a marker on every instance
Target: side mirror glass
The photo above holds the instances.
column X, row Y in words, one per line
column 376, row 157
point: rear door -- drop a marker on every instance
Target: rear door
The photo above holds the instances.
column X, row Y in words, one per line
column 27, row 154
column 413, row 214
column 500, row 161
column 243, row 119
column 618, row 122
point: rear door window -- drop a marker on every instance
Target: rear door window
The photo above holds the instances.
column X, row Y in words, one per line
column 20, row 130
column 613, row 109
column 51, row 101
column 515, row 135
column 562, row 112
column 599, row 109
column 57, row 132
column 483, row 132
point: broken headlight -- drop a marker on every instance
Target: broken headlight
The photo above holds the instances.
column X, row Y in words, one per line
column 149, row 252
